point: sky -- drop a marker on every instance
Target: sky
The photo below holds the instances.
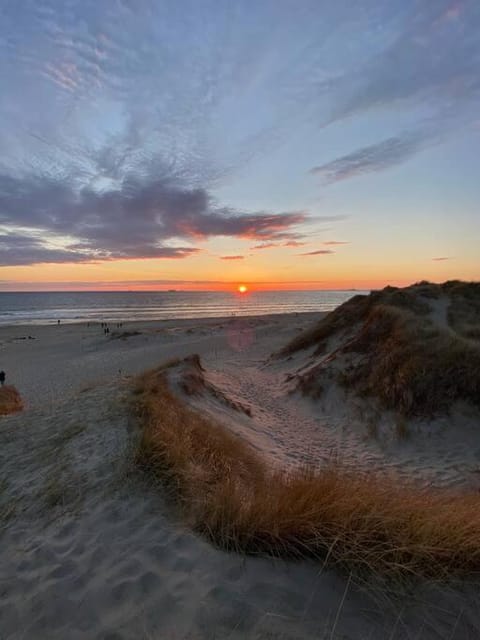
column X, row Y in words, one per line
column 198, row 144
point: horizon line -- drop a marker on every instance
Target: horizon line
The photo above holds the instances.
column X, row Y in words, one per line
column 226, row 290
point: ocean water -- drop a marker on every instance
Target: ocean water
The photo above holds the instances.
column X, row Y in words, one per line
column 116, row 306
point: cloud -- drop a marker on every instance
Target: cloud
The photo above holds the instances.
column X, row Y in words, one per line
column 137, row 218
column 430, row 58
column 17, row 249
column 335, row 243
column 376, row 157
column 319, row 252
column 228, row 222
column 294, row 243
column 232, row 257
column 428, row 63
column 441, row 259
column 96, row 148
column 265, row 245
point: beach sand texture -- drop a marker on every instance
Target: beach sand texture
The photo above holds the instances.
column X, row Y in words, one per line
column 89, row 549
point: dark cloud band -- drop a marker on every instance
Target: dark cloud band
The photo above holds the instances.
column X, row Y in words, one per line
column 136, row 220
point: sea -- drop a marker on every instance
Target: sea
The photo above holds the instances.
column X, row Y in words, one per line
column 122, row 306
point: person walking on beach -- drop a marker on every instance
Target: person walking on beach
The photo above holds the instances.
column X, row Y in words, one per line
column 2, row 378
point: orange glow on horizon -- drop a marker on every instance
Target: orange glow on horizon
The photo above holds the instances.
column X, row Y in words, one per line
column 331, row 285
column 261, row 271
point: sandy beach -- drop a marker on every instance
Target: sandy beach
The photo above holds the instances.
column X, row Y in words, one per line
column 239, row 320
column 89, row 549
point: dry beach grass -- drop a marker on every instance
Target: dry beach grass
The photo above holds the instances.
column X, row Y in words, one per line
column 10, row 400
column 392, row 346
column 357, row 521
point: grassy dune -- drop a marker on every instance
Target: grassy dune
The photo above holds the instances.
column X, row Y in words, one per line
column 391, row 345
column 228, row 494
column 10, row 400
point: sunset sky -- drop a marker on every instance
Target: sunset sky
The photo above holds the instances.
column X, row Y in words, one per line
column 196, row 144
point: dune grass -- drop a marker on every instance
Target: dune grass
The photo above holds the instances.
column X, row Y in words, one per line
column 464, row 311
column 340, row 319
column 226, row 492
column 391, row 348
column 10, row 400
column 412, row 366
column 354, row 311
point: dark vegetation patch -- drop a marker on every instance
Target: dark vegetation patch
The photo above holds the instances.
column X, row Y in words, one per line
column 10, row 400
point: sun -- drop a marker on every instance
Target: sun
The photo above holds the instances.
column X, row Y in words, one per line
column 242, row 288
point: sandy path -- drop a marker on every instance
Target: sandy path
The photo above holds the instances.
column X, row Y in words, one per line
column 292, row 430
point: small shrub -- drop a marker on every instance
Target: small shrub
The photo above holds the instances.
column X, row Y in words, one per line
column 10, row 400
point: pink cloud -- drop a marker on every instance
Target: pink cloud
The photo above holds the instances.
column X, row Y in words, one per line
column 266, row 245
column 232, row 257
column 294, row 243
column 319, row 252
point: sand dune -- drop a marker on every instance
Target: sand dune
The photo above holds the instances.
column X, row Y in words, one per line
column 414, row 350
column 89, row 549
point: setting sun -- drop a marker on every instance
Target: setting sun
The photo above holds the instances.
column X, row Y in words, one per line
column 242, row 288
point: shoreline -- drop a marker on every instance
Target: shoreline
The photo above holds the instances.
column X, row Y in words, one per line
column 145, row 322
column 43, row 310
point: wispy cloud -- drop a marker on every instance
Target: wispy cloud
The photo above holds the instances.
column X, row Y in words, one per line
column 265, row 245
column 376, row 157
column 294, row 243
column 431, row 58
column 232, row 257
column 442, row 258
column 334, row 243
column 430, row 61
column 318, row 252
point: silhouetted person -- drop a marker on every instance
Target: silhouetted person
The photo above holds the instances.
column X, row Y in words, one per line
column 58, row 321
column 2, row 378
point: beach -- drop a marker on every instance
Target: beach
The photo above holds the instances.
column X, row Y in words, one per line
column 239, row 320
column 91, row 549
